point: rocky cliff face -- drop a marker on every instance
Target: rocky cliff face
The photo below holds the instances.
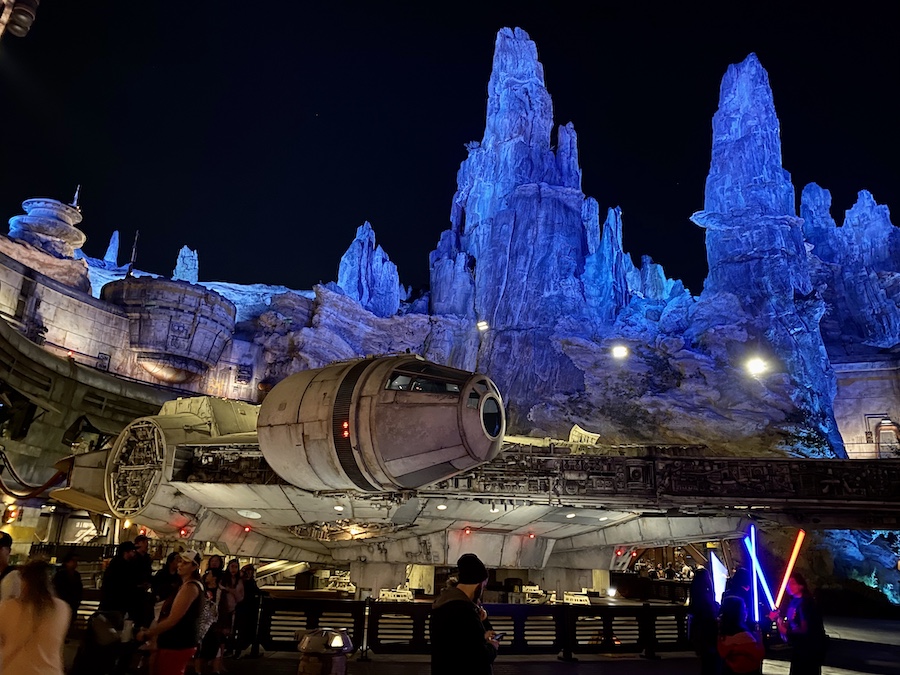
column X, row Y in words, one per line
column 757, row 256
column 857, row 266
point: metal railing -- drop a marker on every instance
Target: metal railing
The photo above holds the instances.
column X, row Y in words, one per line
column 402, row 627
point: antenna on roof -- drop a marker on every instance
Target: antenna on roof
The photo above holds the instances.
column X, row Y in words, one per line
column 76, row 198
column 137, row 233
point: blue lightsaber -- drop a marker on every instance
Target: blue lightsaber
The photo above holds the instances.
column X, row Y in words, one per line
column 755, row 576
column 762, row 577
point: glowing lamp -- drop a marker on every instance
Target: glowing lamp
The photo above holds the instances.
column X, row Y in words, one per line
column 756, row 366
column 126, row 524
column 611, row 592
column 619, row 351
column 570, row 515
column 183, row 532
column 338, row 507
column 441, row 507
column 246, row 528
column 482, row 326
column 468, row 530
column 494, row 508
column 531, row 535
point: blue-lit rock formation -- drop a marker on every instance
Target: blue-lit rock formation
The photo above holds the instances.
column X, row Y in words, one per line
column 515, row 252
column 187, row 267
column 757, row 257
column 367, row 275
column 858, row 266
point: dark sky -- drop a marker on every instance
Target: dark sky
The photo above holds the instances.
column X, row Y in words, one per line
column 264, row 134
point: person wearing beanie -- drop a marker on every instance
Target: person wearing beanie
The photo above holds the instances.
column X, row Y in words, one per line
column 459, row 641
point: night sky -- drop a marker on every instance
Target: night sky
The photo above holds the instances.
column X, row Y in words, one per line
column 264, row 134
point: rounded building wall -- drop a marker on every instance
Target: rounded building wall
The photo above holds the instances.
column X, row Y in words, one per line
column 178, row 330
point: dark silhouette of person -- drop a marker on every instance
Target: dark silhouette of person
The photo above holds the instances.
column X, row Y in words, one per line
column 703, row 627
column 67, row 583
column 800, row 623
column 459, row 641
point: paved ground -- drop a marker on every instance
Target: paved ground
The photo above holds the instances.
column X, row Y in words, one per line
column 857, row 646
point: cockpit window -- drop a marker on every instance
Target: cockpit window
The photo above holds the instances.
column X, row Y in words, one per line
column 427, row 379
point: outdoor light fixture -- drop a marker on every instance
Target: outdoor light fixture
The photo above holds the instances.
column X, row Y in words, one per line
column 619, row 351
column 441, row 507
column 482, row 326
column 756, row 366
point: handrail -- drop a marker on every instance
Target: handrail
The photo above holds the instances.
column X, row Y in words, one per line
column 402, row 627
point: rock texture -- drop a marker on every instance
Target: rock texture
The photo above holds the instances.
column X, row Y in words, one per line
column 858, row 267
column 187, row 267
column 367, row 275
column 756, row 254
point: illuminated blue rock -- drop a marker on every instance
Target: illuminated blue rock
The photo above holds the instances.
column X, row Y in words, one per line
column 516, row 251
column 111, row 257
column 187, row 267
column 757, row 256
column 858, row 266
column 367, row 275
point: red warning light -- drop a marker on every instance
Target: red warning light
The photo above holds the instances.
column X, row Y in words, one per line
column 634, row 554
column 246, row 528
column 619, row 551
column 531, row 535
column 183, row 532
column 468, row 530
column 144, row 531
column 346, row 429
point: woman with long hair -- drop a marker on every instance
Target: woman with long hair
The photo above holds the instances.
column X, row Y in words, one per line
column 33, row 626
column 176, row 631
column 703, row 628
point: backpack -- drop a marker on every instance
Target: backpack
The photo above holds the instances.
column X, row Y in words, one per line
column 208, row 614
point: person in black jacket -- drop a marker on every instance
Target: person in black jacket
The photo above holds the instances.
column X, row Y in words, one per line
column 68, row 585
column 459, row 641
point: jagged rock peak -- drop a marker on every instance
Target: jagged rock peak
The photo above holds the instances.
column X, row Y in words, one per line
column 187, row 267
column 867, row 213
column 367, row 274
column 518, row 103
column 112, row 251
column 746, row 171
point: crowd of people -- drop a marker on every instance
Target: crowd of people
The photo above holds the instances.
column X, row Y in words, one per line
column 142, row 615
column 730, row 642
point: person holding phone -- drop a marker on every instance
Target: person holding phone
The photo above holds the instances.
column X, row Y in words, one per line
column 459, row 641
